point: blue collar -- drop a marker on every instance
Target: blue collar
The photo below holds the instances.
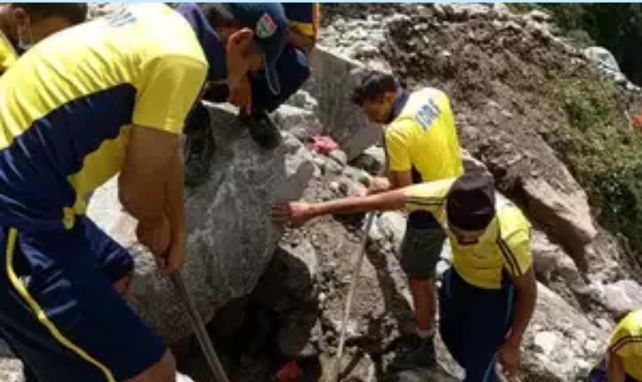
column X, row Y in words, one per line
column 212, row 44
column 399, row 104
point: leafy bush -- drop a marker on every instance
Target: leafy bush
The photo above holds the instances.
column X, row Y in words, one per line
column 604, row 154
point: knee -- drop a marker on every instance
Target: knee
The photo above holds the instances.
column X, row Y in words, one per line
column 162, row 371
column 294, row 68
column 302, row 68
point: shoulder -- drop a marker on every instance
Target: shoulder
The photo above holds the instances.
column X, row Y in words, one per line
column 514, row 226
column 156, row 30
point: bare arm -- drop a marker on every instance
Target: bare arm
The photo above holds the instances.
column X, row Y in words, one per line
column 615, row 368
column 298, row 213
column 142, row 184
column 509, row 354
column 393, row 181
column 525, row 300
column 175, row 211
column 400, row 179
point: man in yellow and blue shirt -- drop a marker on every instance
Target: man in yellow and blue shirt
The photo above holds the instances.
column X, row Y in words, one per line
column 421, row 146
column 488, row 296
column 623, row 361
column 89, row 102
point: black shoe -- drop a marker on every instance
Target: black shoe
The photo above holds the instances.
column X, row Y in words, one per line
column 421, row 355
column 262, row 129
column 199, row 147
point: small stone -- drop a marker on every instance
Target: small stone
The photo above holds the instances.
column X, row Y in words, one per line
column 339, row 156
column 546, row 342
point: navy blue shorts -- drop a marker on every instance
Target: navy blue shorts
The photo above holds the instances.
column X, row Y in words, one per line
column 474, row 323
column 60, row 312
column 598, row 374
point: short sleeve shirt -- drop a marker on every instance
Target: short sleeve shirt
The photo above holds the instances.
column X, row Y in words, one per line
column 504, row 246
column 626, row 341
column 423, row 137
column 68, row 105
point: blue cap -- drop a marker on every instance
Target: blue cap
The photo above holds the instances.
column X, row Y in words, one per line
column 270, row 27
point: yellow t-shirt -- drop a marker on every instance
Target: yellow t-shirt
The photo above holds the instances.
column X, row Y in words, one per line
column 67, row 107
column 7, row 54
column 423, row 137
column 504, row 246
column 626, row 341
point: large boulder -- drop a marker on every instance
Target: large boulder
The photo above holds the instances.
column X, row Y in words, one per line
column 603, row 58
column 332, row 81
column 561, row 344
column 230, row 235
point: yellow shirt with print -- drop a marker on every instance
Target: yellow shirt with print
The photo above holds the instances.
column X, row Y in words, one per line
column 626, row 341
column 504, row 246
column 423, row 137
column 7, row 54
column 67, row 107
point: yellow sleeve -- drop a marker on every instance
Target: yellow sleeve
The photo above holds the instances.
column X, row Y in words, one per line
column 626, row 339
column 516, row 249
column 398, row 137
column 429, row 196
column 167, row 91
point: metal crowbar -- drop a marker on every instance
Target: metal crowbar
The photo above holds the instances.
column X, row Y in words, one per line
column 199, row 329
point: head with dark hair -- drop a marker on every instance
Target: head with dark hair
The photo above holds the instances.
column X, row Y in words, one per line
column 72, row 13
column 376, row 93
column 27, row 23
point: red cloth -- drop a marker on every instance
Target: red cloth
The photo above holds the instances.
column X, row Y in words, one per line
column 289, row 372
column 323, row 144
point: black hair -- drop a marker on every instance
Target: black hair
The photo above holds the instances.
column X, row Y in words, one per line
column 219, row 15
column 76, row 13
column 374, row 85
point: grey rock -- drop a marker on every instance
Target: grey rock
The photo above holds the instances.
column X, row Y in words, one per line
column 339, row 157
column 623, row 296
column 11, row 370
column 230, row 234
column 567, row 215
column 303, row 100
column 539, row 15
column 560, row 343
column 603, row 58
column 372, row 160
column 331, row 84
column 300, row 122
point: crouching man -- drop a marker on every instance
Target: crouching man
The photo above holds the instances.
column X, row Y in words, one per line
column 488, row 296
column 623, row 361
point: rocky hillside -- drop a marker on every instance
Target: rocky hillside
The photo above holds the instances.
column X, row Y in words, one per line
column 547, row 122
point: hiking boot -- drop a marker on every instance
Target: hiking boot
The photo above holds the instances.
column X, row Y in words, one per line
column 420, row 355
column 199, row 147
column 262, row 129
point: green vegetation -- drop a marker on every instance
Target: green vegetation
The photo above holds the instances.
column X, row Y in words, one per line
column 603, row 154
column 617, row 27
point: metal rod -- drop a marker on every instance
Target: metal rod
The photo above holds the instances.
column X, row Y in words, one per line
column 336, row 370
column 199, row 329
